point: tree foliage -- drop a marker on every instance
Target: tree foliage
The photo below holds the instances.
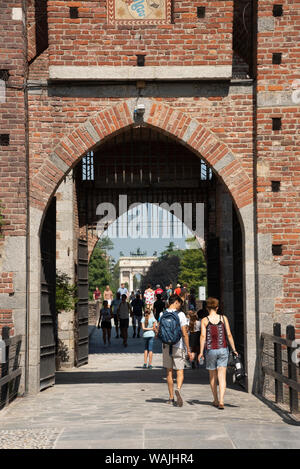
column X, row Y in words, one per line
column 162, row 272
column 193, row 268
column 65, row 293
column 99, row 271
column 178, row 265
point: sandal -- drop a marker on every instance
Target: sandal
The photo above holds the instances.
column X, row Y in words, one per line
column 215, row 404
column 221, row 406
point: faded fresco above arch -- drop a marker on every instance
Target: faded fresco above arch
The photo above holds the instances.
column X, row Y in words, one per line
column 127, row 12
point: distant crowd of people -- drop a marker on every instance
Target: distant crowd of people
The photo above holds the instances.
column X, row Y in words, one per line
column 165, row 313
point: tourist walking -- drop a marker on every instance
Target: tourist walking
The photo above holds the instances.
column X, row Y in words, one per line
column 108, row 295
column 158, row 291
column 194, row 336
column 105, row 320
column 158, row 307
column 192, row 300
column 132, row 297
column 124, row 311
column 137, row 306
column 149, row 296
column 215, row 332
column 123, row 290
column 114, row 307
column 97, row 299
column 149, row 329
column 174, row 357
column 177, row 290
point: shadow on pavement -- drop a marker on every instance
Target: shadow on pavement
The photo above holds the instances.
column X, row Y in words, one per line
column 137, row 375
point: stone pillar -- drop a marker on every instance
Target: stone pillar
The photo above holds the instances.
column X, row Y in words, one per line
column 130, row 281
column 65, row 261
column 226, row 251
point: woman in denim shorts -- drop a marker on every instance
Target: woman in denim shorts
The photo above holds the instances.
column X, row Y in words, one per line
column 149, row 328
column 215, row 332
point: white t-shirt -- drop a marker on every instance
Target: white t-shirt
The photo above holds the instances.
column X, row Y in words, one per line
column 197, row 327
column 183, row 322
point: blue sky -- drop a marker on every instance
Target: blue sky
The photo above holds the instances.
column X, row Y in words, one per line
column 147, row 227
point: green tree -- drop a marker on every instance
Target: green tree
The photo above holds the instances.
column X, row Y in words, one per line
column 99, row 271
column 65, row 293
column 163, row 272
column 115, row 274
column 193, row 268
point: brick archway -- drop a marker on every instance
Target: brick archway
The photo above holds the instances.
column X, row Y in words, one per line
column 186, row 131
column 179, row 125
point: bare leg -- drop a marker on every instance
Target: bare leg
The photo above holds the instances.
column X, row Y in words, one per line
column 145, row 356
column 104, row 336
column 108, row 335
column 213, row 374
column 222, row 383
column 170, row 382
column 180, row 376
column 150, row 358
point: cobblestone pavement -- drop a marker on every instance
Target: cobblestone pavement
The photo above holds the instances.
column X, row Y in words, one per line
column 114, row 403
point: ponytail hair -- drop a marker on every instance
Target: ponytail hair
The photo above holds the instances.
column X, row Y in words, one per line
column 193, row 318
column 147, row 314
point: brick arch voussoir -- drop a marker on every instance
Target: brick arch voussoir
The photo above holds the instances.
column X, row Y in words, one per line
column 73, row 147
column 179, row 125
column 206, row 145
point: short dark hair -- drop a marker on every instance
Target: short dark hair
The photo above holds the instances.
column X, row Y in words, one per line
column 158, row 296
column 124, row 296
column 137, row 295
column 174, row 298
column 105, row 302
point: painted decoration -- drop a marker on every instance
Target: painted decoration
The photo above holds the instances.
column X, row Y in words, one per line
column 129, row 12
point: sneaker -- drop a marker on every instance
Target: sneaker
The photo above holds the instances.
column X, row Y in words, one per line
column 150, row 367
column 171, row 401
column 179, row 402
column 145, row 365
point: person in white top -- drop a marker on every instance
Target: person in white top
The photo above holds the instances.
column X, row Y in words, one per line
column 176, row 361
column 149, row 296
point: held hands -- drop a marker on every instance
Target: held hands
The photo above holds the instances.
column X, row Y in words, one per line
column 200, row 357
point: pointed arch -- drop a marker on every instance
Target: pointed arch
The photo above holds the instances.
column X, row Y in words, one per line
column 177, row 124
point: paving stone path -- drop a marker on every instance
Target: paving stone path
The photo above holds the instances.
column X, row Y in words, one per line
column 114, row 403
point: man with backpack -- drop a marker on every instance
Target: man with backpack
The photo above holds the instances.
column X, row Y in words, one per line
column 173, row 333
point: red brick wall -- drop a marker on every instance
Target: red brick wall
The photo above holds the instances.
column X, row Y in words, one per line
column 6, row 320
column 279, row 151
column 12, row 117
column 89, row 40
column 12, row 157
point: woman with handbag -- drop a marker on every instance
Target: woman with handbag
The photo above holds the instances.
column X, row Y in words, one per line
column 215, row 335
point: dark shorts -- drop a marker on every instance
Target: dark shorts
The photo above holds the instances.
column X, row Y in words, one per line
column 124, row 323
column 105, row 325
column 148, row 343
column 194, row 339
column 116, row 322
